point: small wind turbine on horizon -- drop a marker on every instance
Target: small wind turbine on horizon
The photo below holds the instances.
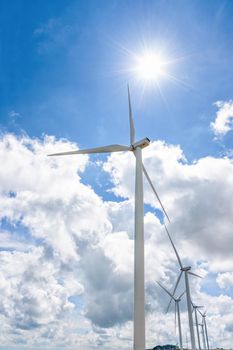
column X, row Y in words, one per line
column 139, row 274
column 203, row 334
column 187, row 271
column 203, row 315
column 195, row 308
column 177, row 311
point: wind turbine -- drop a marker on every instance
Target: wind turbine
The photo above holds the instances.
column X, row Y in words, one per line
column 187, row 271
column 203, row 334
column 195, row 308
column 139, row 279
column 205, row 327
column 177, row 310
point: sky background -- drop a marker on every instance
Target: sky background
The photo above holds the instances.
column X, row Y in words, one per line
column 66, row 225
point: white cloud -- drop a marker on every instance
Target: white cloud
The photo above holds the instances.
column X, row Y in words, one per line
column 48, row 216
column 225, row 280
column 224, row 118
column 66, row 255
column 196, row 196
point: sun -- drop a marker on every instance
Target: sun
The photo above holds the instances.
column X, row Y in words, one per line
column 150, row 66
column 153, row 67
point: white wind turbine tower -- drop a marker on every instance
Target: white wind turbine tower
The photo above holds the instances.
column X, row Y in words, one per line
column 187, row 271
column 177, row 310
column 139, row 279
column 195, row 308
column 203, row 315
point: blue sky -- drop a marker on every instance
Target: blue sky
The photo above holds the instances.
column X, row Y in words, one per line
column 64, row 70
column 61, row 62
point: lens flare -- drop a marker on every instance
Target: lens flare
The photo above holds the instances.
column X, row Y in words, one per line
column 150, row 67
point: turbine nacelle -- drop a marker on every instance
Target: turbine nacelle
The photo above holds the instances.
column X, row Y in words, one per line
column 197, row 307
column 187, row 268
column 142, row 143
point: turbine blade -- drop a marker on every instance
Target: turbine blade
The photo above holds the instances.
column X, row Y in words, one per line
column 200, row 312
column 177, row 282
column 181, row 295
column 166, row 290
column 104, row 149
column 131, row 123
column 194, row 274
column 173, row 245
column 155, row 192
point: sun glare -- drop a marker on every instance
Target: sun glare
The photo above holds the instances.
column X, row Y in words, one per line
column 150, row 67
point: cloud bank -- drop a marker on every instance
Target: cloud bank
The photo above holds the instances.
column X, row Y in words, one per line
column 67, row 254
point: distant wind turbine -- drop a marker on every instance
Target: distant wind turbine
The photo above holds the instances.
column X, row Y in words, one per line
column 187, row 271
column 195, row 308
column 205, row 327
column 177, row 310
column 203, row 334
column 139, row 279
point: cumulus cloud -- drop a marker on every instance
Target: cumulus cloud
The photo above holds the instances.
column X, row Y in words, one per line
column 224, row 118
column 110, row 292
column 225, row 280
column 196, row 195
column 37, row 296
column 46, row 220
column 66, row 254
